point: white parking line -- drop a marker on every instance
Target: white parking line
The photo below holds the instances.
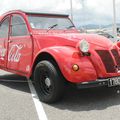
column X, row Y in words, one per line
column 40, row 111
column 16, row 81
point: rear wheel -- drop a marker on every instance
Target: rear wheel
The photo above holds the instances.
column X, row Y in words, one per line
column 48, row 82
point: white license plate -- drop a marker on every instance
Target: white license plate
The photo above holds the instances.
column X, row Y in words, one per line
column 114, row 81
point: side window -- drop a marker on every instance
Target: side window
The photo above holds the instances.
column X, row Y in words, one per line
column 4, row 28
column 19, row 27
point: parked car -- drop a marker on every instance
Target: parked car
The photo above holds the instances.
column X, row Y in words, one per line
column 109, row 36
column 49, row 49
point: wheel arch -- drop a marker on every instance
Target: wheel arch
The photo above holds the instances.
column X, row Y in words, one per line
column 45, row 56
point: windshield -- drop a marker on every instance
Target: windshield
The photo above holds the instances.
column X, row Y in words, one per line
column 40, row 22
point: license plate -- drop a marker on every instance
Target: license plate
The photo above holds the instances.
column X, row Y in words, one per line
column 114, row 81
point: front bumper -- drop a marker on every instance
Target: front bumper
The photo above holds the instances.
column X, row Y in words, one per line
column 98, row 83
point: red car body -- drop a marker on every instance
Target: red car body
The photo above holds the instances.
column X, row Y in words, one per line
column 20, row 54
column 62, row 46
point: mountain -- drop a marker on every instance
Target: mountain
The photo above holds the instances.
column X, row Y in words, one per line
column 95, row 26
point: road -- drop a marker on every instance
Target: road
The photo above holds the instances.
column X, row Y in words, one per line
column 15, row 98
column 16, row 102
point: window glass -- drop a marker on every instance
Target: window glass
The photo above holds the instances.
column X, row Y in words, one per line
column 38, row 22
column 19, row 27
column 4, row 28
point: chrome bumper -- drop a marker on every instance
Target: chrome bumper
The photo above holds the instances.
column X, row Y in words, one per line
column 92, row 84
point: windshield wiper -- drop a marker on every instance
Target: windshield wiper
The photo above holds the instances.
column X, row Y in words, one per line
column 51, row 27
column 71, row 26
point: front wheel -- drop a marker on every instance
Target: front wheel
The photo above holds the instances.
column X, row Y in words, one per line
column 49, row 83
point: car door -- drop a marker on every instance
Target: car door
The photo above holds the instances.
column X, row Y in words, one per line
column 20, row 45
column 4, row 33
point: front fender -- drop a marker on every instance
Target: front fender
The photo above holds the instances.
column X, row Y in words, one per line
column 66, row 57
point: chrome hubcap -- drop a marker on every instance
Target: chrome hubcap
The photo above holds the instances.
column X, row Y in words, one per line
column 47, row 82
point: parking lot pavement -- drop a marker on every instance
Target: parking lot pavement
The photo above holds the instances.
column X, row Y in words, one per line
column 16, row 102
column 15, row 98
column 88, row 104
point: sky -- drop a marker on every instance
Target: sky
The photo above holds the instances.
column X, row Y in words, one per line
column 85, row 12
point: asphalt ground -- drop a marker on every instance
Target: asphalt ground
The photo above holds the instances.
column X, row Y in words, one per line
column 88, row 104
column 16, row 102
column 15, row 98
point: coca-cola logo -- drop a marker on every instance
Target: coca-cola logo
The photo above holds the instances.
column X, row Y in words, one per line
column 14, row 53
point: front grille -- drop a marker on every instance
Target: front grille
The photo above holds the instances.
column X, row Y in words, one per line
column 116, row 56
column 107, row 60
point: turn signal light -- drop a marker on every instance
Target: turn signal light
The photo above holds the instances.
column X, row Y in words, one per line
column 75, row 67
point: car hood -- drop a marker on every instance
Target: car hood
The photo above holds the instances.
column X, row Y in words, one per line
column 91, row 38
column 72, row 39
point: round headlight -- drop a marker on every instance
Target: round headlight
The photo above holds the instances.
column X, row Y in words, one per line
column 84, row 46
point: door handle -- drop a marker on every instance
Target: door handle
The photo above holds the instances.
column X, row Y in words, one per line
column 10, row 41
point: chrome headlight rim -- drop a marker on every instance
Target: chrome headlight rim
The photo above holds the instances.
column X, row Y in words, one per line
column 84, row 46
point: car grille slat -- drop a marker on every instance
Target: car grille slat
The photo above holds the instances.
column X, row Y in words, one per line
column 107, row 60
column 116, row 56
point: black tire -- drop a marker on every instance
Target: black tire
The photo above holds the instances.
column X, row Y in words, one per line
column 48, row 82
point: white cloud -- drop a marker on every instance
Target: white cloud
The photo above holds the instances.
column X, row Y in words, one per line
column 85, row 11
column 100, row 6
